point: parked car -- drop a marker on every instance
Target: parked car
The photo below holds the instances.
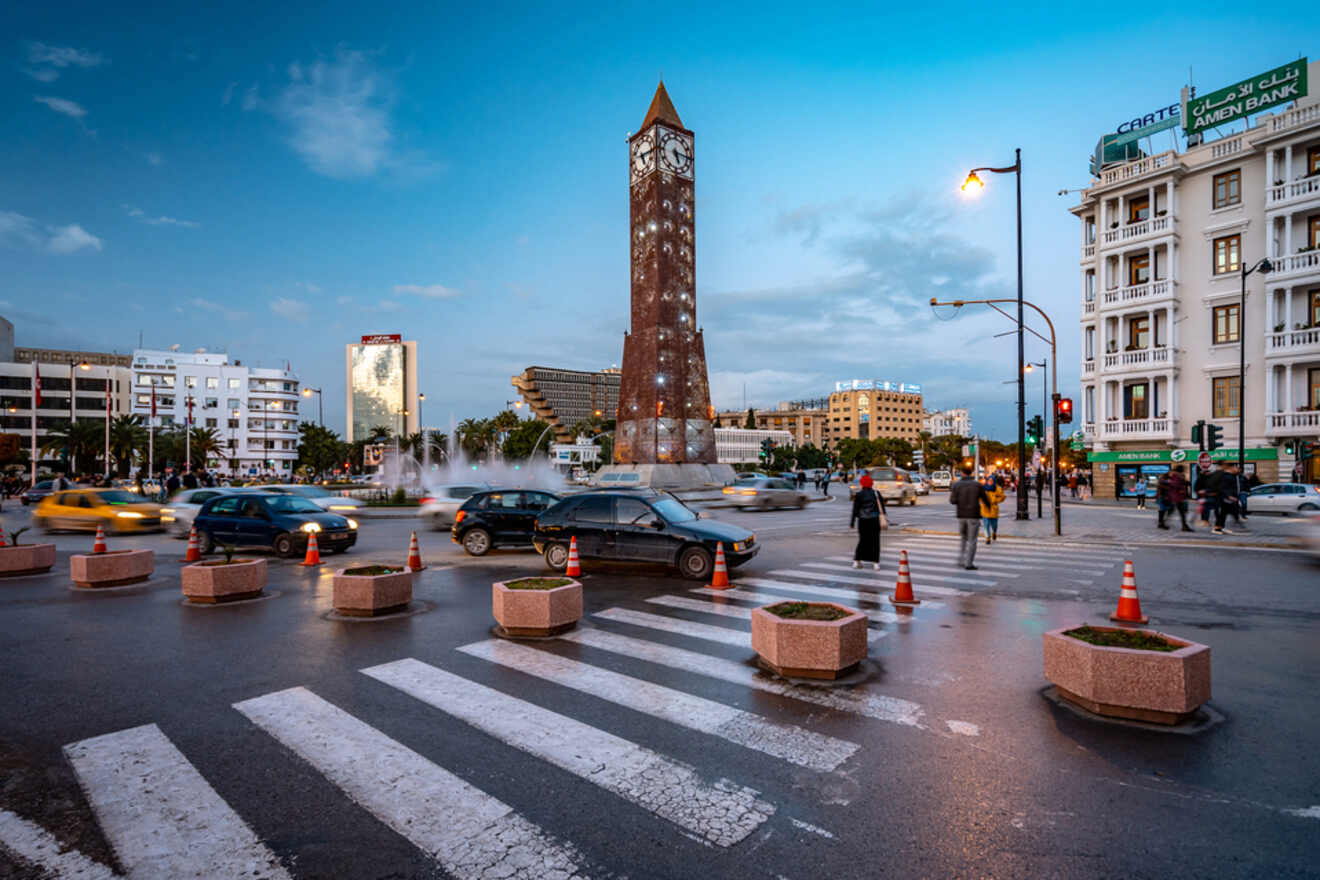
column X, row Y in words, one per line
column 322, row 498
column 82, row 510
column 37, row 492
column 639, row 527
column 439, row 506
column 499, row 518
column 180, row 511
column 264, row 519
column 893, row 483
column 1284, row 498
column 766, row 493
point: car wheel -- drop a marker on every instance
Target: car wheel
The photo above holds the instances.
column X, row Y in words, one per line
column 802, row 502
column 766, row 504
column 695, row 563
column 283, row 545
column 477, row 542
column 205, row 543
column 1308, row 506
column 556, row 556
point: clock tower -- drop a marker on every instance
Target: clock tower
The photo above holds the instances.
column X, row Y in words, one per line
column 664, row 414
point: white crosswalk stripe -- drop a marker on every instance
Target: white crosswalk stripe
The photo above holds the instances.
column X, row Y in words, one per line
column 470, row 833
column 1017, row 548
column 990, row 561
column 723, row 812
column 891, row 566
column 735, row 611
column 787, row 741
column 859, row 700
column 883, row 580
column 800, row 592
column 34, row 844
column 162, row 818
column 721, row 634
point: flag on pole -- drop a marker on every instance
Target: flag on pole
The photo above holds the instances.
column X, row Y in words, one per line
column 153, row 402
column 36, row 385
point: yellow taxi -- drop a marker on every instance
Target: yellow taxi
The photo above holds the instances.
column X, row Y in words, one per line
column 85, row 509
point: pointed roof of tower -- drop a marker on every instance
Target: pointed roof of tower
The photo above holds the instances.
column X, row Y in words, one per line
column 661, row 110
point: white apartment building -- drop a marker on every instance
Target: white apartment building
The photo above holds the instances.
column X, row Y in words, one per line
column 945, row 422
column 1164, row 239
column 253, row 410
column 57, row 409
column 743, row 445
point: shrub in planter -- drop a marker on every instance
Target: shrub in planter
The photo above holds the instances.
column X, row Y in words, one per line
column 113, row 569
column 26, row 559
column 226, row 580
column 536, row 606
column 372, row 590
column 1128, row 673
column 809, row 639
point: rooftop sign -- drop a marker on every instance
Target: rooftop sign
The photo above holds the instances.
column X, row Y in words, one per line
column 1252, row 95
column 877, row 385
column 382, row 339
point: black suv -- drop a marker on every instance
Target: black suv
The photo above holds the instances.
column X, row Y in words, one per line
column 639, row 526
column 499, row 518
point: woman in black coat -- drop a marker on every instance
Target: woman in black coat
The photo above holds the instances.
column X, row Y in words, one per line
column 867, row 510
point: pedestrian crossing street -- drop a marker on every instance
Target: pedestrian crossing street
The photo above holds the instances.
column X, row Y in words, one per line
column 164, row 819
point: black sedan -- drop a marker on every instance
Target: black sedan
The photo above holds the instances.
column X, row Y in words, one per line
column 37, row 492
column 499, row 518
column 280, row 522
column 639, row 527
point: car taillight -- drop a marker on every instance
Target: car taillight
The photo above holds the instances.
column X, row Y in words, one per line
column 728, row 490
column 747, row 492
column 425, row 500
column 459, row 518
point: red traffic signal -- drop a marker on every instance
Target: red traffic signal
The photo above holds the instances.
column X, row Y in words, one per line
column 1065, row 410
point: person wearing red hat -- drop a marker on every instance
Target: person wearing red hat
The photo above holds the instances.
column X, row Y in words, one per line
column 868, row 514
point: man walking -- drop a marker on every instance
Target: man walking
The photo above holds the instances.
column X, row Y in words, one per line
column 967, row 496
column 1173, row 490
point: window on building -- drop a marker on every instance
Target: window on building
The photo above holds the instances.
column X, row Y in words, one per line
column 1226, row 324
column 212, row 383
column 1313, row 387
column 1313, row 161
column 1089, row 289
column 1134, row 401
column 235, row 384
column 210, row 403
column 1313, row 231
column 1088, row 404
column 1138, row 209
column 1088, row 230
column 1090, row 343
column 1228, row 188
column 1138, row 333
column 167, row 420
column 211, row 423
column 1227, row 395
column 1228, row 253
column 189, row 381
column 1138, row 270
column 234, row 403
column 233, row 423
column 1314, row 297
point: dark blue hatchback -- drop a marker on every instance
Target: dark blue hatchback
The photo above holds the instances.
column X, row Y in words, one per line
column 280, row 522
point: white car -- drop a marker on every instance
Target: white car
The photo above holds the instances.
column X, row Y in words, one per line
column 1284, row 498
column 177, row 516
column 440, row 504
column 941, row 479
column 322, row 498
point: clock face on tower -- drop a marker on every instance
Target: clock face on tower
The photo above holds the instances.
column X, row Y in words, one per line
column 675, row 152
column 643, row 155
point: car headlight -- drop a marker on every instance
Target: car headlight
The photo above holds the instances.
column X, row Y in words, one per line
column 343, row 507
column 129, row 514
column 310, row 527
column 738, row 545
column 167, row 510
column 352, row 523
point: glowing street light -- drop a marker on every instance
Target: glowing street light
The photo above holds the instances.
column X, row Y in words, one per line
column 973, row 184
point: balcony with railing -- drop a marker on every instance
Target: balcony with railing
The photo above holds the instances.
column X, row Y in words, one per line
column 1133, row 170
column 1137, row 429
column 1088, row 252
column 1301, row 194
column 1282, row 122
column 1088, row 367
column 1140, row 359
column 1292, row 343
column 1150, row 292
column 1088, row 307
column 1286, row 424
column 1131, row 233
column 1295, row 267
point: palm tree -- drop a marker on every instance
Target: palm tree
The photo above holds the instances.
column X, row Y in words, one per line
column 379, row 434
column 205, row 443
column 77, row 441
column 475, row 436
column 128, row 437
column 439, row 443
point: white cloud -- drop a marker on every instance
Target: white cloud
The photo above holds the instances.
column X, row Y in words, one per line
column 71, row 239
column 139, row 214
column 292, row 309
column 19, row 231
column 338, row 111
column 63, row 56
column 155, row 159
column 229, row 93
column 344, row 300
column 309, row 286
column 388, row 305
column 61, row 105
column 250, row 98
column 431, row 291
column 207, row 305
column 42, row 74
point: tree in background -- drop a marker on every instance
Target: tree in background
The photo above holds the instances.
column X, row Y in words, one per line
column 128, row 440
column 751, row 419
column 84, row 441
column 522, row 437
column 205, row 445
column 320, row 450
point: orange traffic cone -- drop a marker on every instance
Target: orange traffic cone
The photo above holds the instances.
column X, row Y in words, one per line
column 415, row 554
column 721, row 579
column 903, row 594
column 574, row 565
column 2, row 538
column 98, row 546
column 1129, row 606
column 194, row 553
column 313, row 556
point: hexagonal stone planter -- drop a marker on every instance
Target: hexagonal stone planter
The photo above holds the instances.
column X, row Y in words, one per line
column 797, row 646
column 113, row 569
column 26, row 559
column 372, row 590
column 1163, row 687
column 536, row 606
column 209, row 583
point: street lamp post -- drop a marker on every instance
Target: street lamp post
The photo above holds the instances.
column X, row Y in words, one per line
column 1044, row 392
column 1264, row 266
column 421, row 419
column 233, row 443
column 971, row 186
column 308, row 392
column 73, row 412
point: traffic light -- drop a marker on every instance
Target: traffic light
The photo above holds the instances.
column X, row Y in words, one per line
column 1288, row 447
column 1065, row 410
column 1215, row 440
column 1198, row 435
column 1035, row 430
column 767, row 446
column 1308, row 449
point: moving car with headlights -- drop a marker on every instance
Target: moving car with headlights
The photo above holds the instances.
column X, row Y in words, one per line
column 639, row 527
column 1284, row 498
column 747, row 476
column 37, row 492
column 322, row 498
column 894, row 485
column 82, row 510
column 180, row 511
column 765, row 494
column 280, row 522
column 439, row 506
column 499, row 518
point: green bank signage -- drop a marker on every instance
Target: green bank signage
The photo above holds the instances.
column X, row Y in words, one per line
column 1266, row 453
column 1242, row 99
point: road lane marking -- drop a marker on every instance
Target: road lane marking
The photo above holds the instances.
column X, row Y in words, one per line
column 857, row 700
column 470, row 833
column 735, row 611
column 986, row 562
column 787, row 741
column 1019, row 547
column 880, row 583
column 794, row 591
column 723, row 812
column 34, row 844
column 162, row 818
column 739, row 638
column 891, row 567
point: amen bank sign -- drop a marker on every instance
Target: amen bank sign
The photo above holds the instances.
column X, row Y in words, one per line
column 1277, row 86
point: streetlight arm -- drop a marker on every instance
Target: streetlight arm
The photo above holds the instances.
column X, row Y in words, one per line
column 1011, row 169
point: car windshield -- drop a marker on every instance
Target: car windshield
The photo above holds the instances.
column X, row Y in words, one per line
column 884, row 475
column 292, row 504
column 118, row 496
column 673, row 511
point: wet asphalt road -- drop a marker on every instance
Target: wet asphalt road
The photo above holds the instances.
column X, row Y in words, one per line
column 984, row 777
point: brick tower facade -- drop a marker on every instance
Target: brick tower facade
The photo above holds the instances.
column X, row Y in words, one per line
column 664, row 414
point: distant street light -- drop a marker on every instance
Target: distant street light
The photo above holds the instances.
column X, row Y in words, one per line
column 308, row 392
column 1264, row 267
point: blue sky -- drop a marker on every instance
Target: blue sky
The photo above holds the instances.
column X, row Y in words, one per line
column 278, row 181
